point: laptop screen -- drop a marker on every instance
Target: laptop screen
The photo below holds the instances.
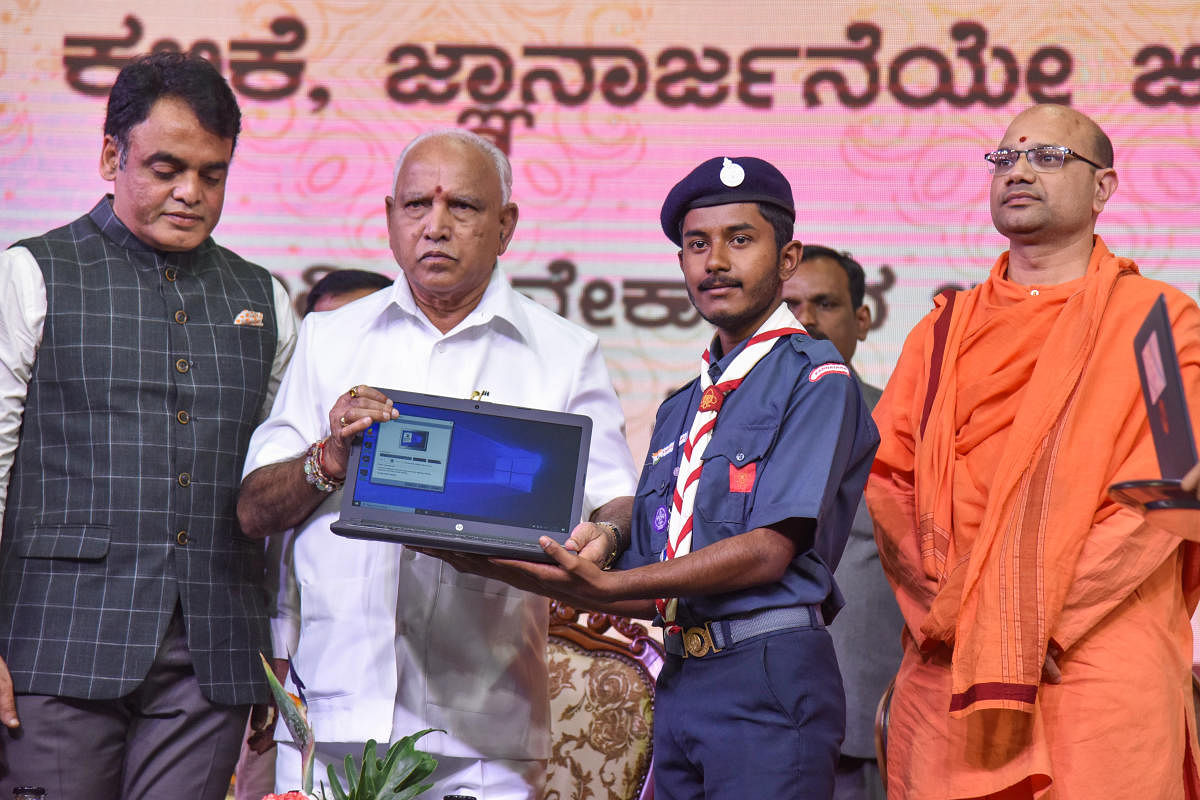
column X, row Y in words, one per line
column 460, row 463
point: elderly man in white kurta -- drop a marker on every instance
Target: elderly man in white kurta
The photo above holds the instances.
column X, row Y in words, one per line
column 387, row 640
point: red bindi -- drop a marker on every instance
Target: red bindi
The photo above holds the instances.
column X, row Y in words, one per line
column 1022, row 139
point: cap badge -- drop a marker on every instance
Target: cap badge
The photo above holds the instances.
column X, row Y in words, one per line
column 732, row 173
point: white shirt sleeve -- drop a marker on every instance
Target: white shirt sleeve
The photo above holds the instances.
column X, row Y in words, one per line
column 283, row 609
column 295, row 420
column 611, row 473
column 285, row 342
column 22, row 314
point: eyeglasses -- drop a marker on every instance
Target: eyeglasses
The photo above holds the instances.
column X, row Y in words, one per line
column 1046, row 158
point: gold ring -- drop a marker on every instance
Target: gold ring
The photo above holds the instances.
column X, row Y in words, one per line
column 353, row 391
column 343, row 421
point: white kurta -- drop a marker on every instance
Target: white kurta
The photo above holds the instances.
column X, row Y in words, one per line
column 389, row 641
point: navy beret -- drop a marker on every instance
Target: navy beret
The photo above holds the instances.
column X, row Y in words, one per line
column 722, row 181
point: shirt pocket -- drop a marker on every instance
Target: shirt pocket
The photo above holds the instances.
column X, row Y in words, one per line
column 486, row 642
column 342, row 642
column 72, row 542
column 732, row 463
column 653, row 501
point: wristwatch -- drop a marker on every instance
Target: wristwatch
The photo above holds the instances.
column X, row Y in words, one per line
column 614, row 543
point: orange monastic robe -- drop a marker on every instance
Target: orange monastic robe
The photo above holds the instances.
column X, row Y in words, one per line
column 994, row 527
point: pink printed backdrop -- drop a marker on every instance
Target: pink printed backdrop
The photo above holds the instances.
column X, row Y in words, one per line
column 891, row 171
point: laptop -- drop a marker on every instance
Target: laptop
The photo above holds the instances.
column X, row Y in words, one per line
column 467, row 475
column 1170, row 425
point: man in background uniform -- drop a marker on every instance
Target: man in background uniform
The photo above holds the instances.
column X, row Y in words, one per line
column 826, row 294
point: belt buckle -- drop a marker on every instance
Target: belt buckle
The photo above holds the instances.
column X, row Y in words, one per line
column 697, row 641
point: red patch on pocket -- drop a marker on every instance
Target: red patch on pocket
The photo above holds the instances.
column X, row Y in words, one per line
column 742, row 480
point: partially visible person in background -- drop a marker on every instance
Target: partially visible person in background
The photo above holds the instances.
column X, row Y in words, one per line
column 341, row 286
column 826, row 294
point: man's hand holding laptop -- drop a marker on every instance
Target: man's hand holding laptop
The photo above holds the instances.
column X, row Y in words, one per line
column 356, row 410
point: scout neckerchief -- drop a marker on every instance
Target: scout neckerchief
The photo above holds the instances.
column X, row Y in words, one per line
column 679, row 530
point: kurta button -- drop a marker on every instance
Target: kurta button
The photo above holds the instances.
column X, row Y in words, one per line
column 181, row 316
column 170, row 273
column 183, row 417
column 182, row 537
column 740, row 456
column 182, row 365
column 185, row 479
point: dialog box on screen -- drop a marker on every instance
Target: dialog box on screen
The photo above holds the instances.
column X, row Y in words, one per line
column 413, row 452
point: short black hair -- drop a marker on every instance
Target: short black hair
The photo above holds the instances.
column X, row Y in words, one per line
column 147, row 79
column 781, row 221
column 340, row 281
column 854, row 271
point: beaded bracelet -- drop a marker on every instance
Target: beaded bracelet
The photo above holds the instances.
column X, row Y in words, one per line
column 314, row 469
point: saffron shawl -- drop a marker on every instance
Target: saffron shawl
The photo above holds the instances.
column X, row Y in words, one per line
column 997, row 605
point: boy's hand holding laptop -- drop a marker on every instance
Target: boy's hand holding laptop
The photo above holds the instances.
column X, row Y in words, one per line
column 587, row 543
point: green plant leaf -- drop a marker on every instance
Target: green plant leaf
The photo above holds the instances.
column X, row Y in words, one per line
column 405, row 794
column 368, row 776
column 405, row 766
column 352, row 773
column 335, row 784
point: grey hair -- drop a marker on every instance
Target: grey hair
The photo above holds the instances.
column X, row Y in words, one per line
column 499, row 160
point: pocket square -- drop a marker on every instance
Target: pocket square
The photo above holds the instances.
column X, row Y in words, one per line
column 248, row 317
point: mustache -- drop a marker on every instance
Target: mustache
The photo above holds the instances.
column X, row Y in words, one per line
column 717, row 282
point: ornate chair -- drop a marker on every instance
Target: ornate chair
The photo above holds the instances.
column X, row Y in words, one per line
column 601, row 707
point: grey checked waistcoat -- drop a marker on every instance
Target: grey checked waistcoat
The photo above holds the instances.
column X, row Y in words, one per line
column 122, row 498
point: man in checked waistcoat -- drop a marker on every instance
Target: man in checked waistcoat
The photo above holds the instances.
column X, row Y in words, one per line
column 744, row 504
column 137, row 356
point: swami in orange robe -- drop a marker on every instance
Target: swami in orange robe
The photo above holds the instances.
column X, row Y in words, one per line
column 995, row 529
